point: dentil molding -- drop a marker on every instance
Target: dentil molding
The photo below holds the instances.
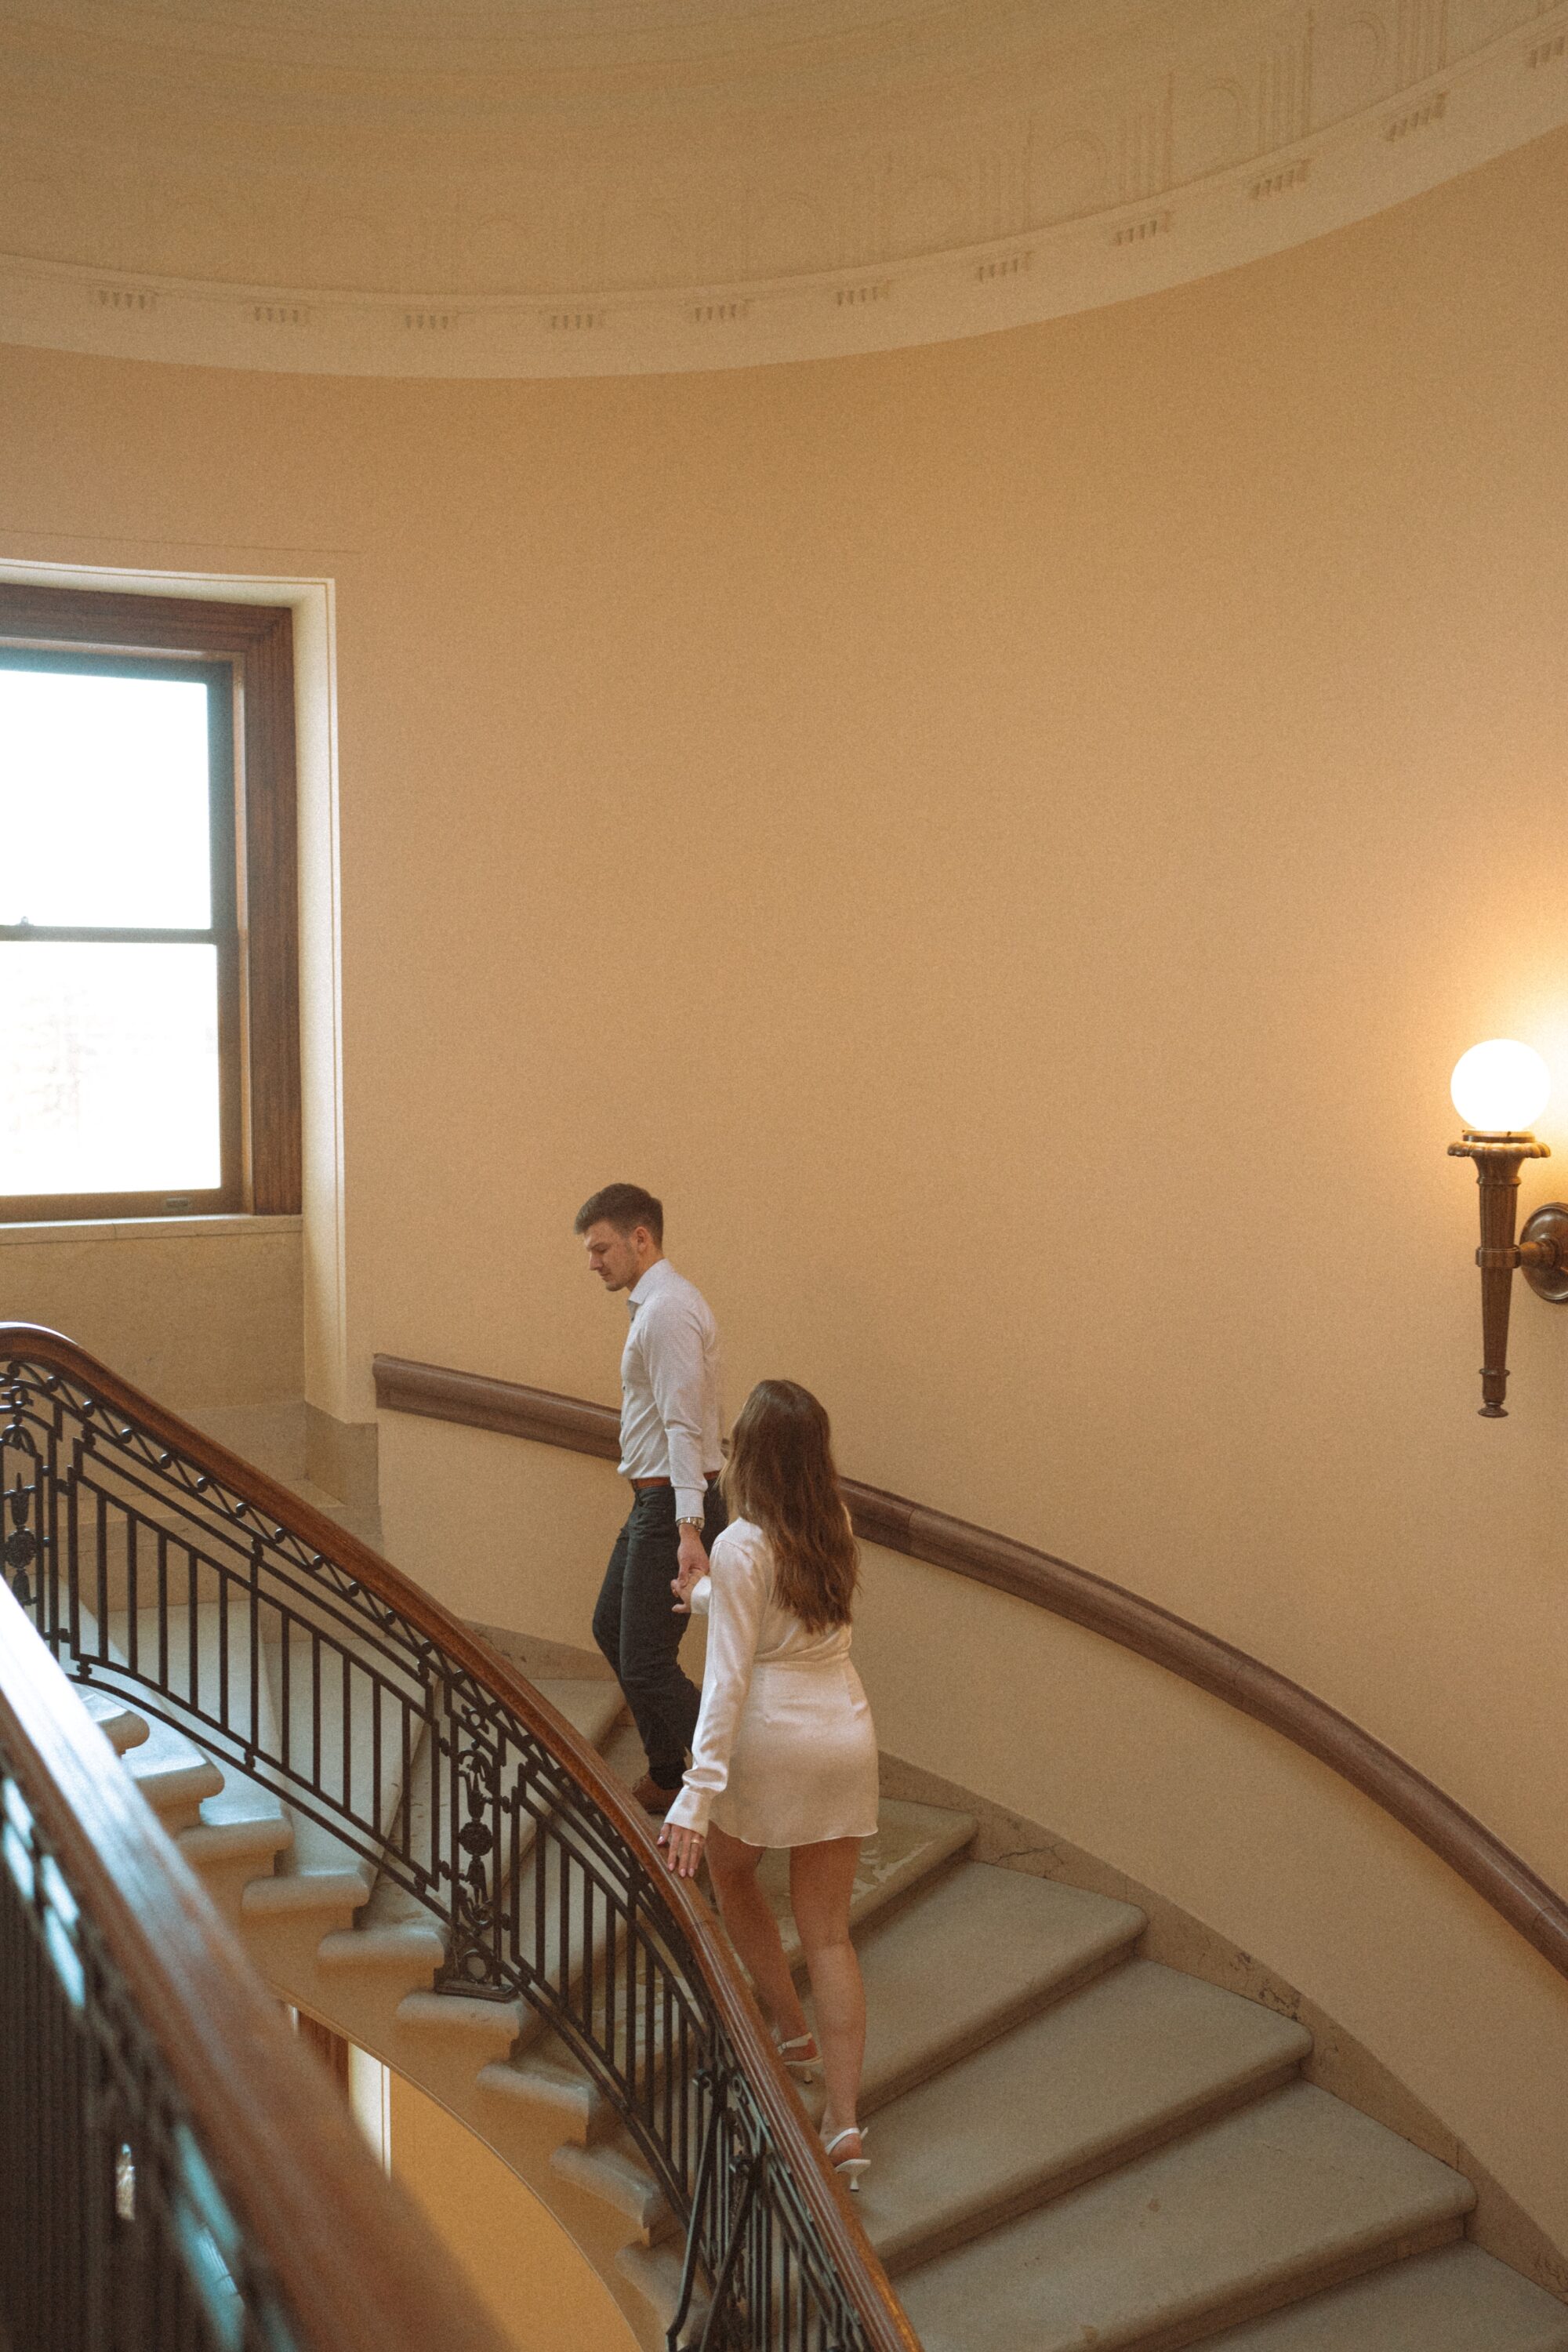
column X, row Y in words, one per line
column 628, row 185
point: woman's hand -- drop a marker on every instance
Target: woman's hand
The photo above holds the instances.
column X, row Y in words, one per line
column 682, row 1850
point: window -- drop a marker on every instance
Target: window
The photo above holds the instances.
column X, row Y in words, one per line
column 149, row 1046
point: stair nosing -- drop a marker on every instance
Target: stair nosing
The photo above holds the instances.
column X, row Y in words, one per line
column 1420, row 2215
column 1292, row 2287
column 997, row 2024
column 1021, row 2197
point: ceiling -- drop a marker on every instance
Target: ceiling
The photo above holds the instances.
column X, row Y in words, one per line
column 562, row 186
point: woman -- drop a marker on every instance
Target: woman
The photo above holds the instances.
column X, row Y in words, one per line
column 785, row 1753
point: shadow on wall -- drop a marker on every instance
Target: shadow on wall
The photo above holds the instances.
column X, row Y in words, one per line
column 517, row 2257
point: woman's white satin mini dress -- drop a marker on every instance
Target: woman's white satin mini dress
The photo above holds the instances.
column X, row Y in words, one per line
column 784, row 1752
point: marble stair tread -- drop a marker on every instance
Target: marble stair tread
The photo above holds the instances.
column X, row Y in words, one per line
column 1118, row 2068
column 115, row 1718
column 344, row 1766
column 317, row 1853
column 912, row 1843
column 1294, row 2193
column 318, row 1672
column 593, row 1711
column 173, row 1774
column 656, row 2272
column 198, row 1660
column 188, row 1658
column 622, row 1752
column 591, row 1706
column 977, row 1951
column 1456, row 2300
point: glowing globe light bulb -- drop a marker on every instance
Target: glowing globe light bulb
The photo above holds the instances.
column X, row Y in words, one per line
column 1501, row 1088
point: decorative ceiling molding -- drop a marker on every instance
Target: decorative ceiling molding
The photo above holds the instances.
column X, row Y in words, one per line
column 1089, row 151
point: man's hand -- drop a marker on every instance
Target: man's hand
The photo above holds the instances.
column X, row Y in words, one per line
column 693, row 1564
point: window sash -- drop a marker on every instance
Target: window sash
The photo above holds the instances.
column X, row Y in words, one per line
column 243, row 654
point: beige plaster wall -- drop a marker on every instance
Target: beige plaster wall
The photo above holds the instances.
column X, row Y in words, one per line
column 539, row 2288
column 1009, row 839
column 205, row 1312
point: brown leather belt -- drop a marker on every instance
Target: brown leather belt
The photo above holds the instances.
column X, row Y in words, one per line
column 710, row 1478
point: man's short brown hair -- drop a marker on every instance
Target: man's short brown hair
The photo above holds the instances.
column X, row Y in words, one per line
column 625, row 1206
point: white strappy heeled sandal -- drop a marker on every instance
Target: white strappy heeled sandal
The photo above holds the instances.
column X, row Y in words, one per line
column 804, row 2068
column 851, row 2170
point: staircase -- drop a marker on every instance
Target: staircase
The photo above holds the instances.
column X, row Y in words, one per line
column 1073, row 2146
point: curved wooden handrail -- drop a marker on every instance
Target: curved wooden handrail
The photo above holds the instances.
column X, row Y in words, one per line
column 358, row 2268
column 1535, row 1910
column 887, row 2329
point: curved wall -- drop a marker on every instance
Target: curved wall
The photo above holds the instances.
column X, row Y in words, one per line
column 1009, row 838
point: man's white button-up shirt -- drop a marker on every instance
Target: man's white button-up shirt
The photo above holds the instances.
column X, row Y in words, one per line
column 671, row 1401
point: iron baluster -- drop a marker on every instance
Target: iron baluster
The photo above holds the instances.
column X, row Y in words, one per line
column 716, row 2083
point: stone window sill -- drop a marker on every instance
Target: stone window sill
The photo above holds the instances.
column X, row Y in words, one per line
column 147, row 1229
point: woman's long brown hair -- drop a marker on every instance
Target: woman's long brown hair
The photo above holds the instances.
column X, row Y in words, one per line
column 780, row 1476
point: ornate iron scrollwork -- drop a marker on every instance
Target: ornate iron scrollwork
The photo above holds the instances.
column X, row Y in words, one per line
column 475, row 1958
column 22, row 1544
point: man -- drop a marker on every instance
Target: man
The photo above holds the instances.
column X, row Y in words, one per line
column 672, row 1416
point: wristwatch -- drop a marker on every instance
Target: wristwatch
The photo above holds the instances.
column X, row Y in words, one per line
column 690, row 1523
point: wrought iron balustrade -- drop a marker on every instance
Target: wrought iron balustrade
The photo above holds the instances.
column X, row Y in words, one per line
column 157, row 1566
column 114, row 2232
column 175, row 2175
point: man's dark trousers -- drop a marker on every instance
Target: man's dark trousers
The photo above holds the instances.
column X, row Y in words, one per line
column 636, row 1626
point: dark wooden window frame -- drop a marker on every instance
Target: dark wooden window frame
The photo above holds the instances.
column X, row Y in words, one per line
column 255, row 642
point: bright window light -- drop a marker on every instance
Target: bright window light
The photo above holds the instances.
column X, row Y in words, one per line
column 103, row 801
column 108, row 1068
column 109, row 1079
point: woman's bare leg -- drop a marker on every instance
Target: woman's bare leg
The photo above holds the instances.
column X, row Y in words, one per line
column 821, row 1880
column 754, row 1931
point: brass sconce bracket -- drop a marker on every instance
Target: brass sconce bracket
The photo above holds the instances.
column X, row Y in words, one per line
column 1543, row 1253
column 1540, row 1252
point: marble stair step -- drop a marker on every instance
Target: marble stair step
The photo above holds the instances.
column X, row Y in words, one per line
column 977, row 1951
column 186, row 1651
column 577, row 1936
column 115, row 1718
column 1296, row 2193
column 174, row 1775
column 340, row 1718
column 654, row 2271
column 1127, row 2062
column 1457, row 2300
column 593, row 1707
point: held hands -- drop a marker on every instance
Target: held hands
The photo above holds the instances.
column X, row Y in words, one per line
column 682, row 1850
column 692, row 1564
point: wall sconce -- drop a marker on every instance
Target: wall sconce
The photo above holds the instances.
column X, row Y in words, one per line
column 1497, row 1090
